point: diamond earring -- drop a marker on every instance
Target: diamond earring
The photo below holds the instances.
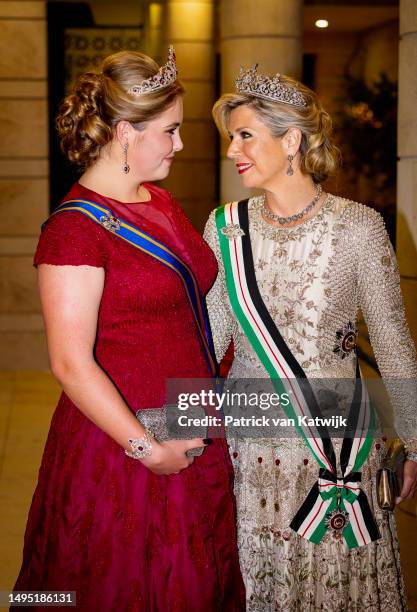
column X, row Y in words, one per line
column 126, row 167
column 290, row 170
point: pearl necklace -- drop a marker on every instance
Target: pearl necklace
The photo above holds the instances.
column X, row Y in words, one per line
column 283, row 220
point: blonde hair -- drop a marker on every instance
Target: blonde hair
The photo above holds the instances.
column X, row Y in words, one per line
column 89, row 114
column 319, row 156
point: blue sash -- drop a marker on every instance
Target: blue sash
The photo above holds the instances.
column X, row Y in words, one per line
column 144, row 242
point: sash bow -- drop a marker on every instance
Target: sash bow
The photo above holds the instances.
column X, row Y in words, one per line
column 346, row 488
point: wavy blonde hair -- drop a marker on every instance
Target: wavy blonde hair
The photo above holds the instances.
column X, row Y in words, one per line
column 319, row 156
column 89, row 114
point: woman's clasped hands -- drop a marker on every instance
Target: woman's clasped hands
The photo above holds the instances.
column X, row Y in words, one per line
column 170, row 456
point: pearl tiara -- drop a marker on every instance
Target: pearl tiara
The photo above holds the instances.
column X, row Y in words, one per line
column 165, row 76
column 261, row 86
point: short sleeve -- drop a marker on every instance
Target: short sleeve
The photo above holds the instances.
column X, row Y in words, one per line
column 72, row 239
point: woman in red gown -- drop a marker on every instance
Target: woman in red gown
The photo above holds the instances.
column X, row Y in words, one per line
column 155, row 533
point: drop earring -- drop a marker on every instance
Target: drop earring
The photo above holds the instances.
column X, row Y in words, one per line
column 126, row 167
column 290, row 170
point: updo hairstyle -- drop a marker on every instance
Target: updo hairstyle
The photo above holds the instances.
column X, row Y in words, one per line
column 319, row 156
column 88, row 116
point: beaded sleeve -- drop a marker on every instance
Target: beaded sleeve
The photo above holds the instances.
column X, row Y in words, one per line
column 220, row 314
column 382, row 306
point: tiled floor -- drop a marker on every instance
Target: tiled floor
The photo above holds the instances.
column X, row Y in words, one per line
column 27, row 400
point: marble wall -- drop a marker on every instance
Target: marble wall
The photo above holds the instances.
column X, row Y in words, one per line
column 189, row 26
column 23, row 179
column 271, row 37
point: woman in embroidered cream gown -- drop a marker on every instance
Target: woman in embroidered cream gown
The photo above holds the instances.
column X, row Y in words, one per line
column 313, row 274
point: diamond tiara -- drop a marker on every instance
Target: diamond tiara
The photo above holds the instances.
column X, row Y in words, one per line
column 261, row 86
column 165, row 76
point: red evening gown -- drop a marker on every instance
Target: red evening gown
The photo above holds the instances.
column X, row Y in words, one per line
column 100, row 523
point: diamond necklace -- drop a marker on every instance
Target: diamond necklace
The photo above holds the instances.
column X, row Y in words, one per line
column 283, row 220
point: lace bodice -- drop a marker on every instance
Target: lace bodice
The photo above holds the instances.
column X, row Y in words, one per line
column 314, row 278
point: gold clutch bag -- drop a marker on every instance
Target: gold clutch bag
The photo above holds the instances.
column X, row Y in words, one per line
column 389, row 477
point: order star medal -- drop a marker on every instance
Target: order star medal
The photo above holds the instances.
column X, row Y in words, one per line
column 336, row 521
column 232, row 231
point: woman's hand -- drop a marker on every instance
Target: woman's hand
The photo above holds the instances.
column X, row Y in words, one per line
column 170, row 457
column 410, row 481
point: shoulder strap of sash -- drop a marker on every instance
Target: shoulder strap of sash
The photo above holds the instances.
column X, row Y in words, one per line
column 262, row 332
column 159, row 251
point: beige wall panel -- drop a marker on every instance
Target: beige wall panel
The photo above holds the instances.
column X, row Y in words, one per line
column 195, row 60
column 409, row 291
column 23, row 89
column 239, row 17
column 24, row 168
column 18, row 246
column 198, row 210
column 23, row 206
column 407, row 116
column 333, row 51
column 408, row 16
column 224, row 146
column 199, row 140
column 382, row 53
column 199, row 100
column 23, row 49
column 191, row 179
column 407, row 217
column 117, row 13
column 26, row 9
column 23, row 351
column 23, row 128
column 18, row 285
column 272, row 54
column 231, row 183
column 189, row 21
column 22, row 322
column 154, row 33
column 185, row 3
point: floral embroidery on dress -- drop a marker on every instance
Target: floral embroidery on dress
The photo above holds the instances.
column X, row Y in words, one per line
column 313, row 278
column 288, row 288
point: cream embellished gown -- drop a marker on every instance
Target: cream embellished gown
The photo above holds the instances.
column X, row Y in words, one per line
column 313, row 279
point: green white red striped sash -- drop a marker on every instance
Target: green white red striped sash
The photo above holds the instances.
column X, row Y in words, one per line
column 333, row 496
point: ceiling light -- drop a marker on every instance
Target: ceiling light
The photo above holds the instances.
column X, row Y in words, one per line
column 322, row 23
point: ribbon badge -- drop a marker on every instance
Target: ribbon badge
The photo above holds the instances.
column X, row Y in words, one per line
column 110, row 222
column 338, row 491
column 232, row 231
